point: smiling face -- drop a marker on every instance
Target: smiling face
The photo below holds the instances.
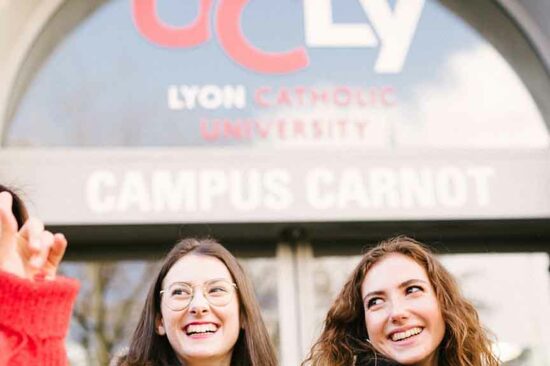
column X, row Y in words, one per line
column 402, row 314
column 201, row 333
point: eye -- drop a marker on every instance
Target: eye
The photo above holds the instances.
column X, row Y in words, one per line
column 178, row 291
column 218, row 289
column 414, row 289
column 374, row 301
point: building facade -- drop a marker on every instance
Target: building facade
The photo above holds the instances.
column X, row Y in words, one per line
column 296, row 133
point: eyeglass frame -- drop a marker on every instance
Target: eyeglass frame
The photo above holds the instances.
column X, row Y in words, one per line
column 233, row 286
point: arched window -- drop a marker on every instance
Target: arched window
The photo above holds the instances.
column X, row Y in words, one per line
column 403, row 74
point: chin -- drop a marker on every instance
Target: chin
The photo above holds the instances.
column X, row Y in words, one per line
column 200, row 354
column 204, row 353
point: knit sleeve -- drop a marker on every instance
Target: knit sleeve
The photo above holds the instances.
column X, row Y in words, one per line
column 34, row 314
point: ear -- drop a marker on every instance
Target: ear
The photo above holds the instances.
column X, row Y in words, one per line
column 159, row 325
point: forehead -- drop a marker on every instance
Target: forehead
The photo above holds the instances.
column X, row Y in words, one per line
column 197, row 269
column 391, row 271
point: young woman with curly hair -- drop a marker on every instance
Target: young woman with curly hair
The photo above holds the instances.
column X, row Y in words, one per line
column 400, row 306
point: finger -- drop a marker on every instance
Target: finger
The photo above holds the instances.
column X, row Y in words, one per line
column 39, row 259
column 31, row 232
column 57, row 250
column 8, row 223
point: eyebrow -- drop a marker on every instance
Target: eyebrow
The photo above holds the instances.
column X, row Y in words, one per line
column 192, row 285
column 401, row 285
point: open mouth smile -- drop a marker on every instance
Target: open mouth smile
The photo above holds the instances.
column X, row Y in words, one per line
column 400, row 336
column 200, row 329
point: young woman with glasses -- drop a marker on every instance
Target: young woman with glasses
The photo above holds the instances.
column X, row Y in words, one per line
column 200, row 310
column 35, row 304
column 400, row 306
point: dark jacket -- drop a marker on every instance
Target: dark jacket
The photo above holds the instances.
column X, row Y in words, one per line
column 363, row 360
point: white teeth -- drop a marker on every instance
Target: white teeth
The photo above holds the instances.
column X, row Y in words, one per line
column 403, row 335
column 201, row 328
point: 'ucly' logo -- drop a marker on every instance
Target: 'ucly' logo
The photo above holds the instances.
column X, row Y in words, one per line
column 390, row 29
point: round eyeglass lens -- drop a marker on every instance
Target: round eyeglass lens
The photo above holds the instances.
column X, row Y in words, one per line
column 217, row 293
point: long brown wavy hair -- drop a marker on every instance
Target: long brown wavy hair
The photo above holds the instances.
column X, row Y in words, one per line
column 253, row 346
column 344, row 339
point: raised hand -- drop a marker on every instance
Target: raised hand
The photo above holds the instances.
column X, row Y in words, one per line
column 31, row 251
column 55, row 254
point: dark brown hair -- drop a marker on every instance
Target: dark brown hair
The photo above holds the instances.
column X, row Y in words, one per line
column 253, row 346
column 343, row 340
column 18, row 207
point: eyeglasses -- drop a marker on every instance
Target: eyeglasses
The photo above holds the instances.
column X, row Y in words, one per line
column 217, row 292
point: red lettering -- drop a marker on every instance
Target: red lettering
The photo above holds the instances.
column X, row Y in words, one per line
column 263, row 129
column 239, row 49
column 232, row 129
column 388, row 97
column 209, row 135
column 300, row 90
column 361, row 126
column 283, row 97
column 247, row 128
column 342, row 96
column 360, row 94
column 315, row 97
column 258, row 96
column 342, row 124
column 317, row 129
column 228, row 19
column 299, row 128
column 281, row 128
column 153, row 29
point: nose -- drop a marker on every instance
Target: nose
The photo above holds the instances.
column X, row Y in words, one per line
column 398, row 311
column 198, row 304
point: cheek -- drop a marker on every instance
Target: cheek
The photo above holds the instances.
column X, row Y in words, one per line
column 440, row 323
column 433, row 312
column 230, row 314
column 375, row 325
column 169, row 320
column 232, row 325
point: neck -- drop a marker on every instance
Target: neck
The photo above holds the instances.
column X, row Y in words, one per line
column 429, row 361
column 209, row 363
column 219, row 361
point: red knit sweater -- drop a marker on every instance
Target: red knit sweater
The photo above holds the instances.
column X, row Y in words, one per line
column 34, row 319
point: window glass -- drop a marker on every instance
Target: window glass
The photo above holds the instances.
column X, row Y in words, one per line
column 112, row 82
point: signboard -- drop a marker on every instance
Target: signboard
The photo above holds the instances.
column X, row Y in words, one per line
column 269, row 74
column 270, row 111
column 186, row 186
column 391, row 30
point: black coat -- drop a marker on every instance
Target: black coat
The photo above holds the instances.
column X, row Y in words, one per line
column 378, row 361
